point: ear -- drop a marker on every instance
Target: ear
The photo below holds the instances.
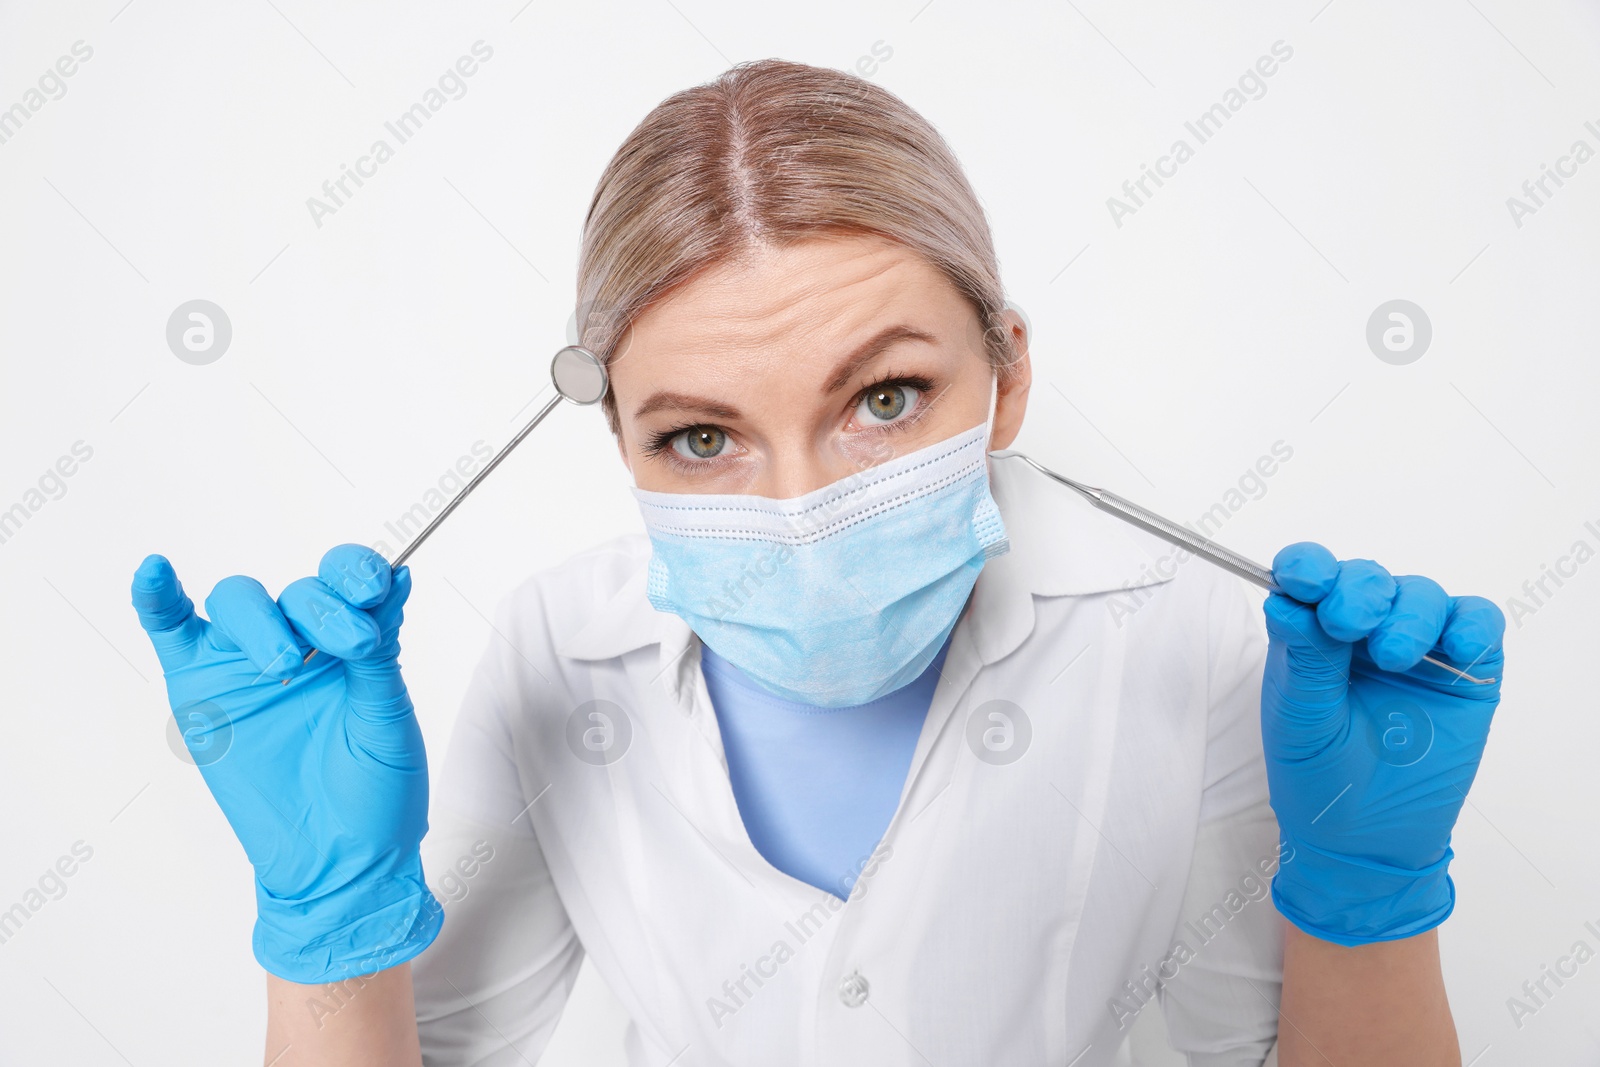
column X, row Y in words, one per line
column 1012, row 385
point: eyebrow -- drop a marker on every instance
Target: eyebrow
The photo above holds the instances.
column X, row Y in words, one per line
column 870, row 351
column 847, row 369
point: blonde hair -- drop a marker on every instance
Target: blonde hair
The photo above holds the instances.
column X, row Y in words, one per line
column 775, row 152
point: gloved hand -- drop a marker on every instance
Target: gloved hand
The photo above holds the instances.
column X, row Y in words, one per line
column 1370, row 751
column 324, row 780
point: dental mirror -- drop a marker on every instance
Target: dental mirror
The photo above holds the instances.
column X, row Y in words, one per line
column 579, row 376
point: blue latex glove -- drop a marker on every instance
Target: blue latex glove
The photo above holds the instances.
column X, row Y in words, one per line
column 324, row 780
column 1370, row 751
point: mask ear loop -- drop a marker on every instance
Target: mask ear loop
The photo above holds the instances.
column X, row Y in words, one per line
column 994, row 405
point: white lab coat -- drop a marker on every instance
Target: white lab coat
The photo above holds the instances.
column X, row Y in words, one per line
column 1016, row 912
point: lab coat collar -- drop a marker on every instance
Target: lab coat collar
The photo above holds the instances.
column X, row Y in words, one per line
column 1061, row 545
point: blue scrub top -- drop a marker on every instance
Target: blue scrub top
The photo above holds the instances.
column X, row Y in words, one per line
column 816, row 787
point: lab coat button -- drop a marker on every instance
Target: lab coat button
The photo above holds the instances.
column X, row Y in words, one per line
column 853, row 990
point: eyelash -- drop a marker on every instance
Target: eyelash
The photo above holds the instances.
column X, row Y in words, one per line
column 660, row 442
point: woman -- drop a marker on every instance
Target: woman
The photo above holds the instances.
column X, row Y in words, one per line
column 860, row 756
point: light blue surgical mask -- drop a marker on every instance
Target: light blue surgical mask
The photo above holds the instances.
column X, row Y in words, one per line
column 839, row 596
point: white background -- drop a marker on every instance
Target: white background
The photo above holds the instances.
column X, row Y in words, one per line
column 371, row 352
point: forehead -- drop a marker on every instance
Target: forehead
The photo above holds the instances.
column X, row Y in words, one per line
column 772, row 294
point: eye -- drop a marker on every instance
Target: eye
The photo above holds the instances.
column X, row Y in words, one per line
column 886, row 403
column 699, row 442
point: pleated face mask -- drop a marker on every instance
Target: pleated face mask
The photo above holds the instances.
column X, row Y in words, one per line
column 839, row 596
